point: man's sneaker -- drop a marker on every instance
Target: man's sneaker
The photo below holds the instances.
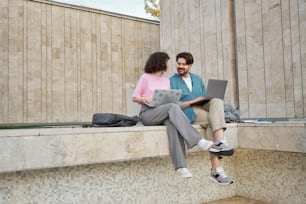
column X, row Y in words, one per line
column 184, row 172
column 204, row 144
column 218, row 175
column 221, row 148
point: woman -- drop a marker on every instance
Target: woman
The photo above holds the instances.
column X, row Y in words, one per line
column 179, row 129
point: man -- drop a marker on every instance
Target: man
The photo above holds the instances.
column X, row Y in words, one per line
column 199, row 113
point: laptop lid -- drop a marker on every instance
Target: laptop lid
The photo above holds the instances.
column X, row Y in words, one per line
column 216, row 88
column 163, row 96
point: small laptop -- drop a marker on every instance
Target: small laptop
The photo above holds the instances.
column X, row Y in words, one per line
column 215, row 89
column 163, row 96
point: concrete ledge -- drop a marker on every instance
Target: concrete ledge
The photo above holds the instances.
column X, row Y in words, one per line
column 277, row 136
column 25, row 149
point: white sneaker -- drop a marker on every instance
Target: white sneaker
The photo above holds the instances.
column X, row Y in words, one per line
column 204, row 145
column 184, row 172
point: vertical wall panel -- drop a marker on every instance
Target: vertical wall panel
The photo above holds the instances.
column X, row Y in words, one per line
column 228, row 70
column 129, row 68
column 25, row 59
column 302, row 24
column 34, row 68
column 211, row 51
column 99, row 64
column 43, row 63
column 116, row 60
column 296, row 58
column 154, row 38
column 194, row 36
column 175, row 27
column 94, row 34
column 287, row 57
column 15, row 78
column 145, row 42
column 167, row 36
column 4, row 60
column 58, row 64
column 86, row 86
column 242, row 59
column 182, row 26
column 201, row 31
column 106, row 65
column 71, row 65
column 48, row 65
column 220, row 45
column 273, row 52
column 255, row 58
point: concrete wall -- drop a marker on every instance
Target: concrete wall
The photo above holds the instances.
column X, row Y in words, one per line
column 273, row 177
column 62, row 63
column 258, row 45
column 145, row 181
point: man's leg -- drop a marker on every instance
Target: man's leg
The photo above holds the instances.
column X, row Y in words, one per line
column 217, row 172
column 215, row 108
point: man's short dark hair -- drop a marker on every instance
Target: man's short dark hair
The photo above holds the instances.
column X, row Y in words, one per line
column 187, row 56
column 156, row 62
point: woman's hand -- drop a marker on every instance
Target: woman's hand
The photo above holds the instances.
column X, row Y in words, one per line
column 141, row 100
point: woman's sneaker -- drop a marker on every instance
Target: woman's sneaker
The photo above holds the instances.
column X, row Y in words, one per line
column 184, row 172
column 221, row 148
column 218, row 175
column 204, row 145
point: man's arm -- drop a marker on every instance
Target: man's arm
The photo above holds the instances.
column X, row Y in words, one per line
column 196, row 101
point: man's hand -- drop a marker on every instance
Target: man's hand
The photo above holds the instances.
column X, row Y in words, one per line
column 186, row 104
column 199, row 99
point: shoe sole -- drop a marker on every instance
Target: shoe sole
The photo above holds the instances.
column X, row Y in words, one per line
column 222, row 153
column 186, row 177
column 223, row 184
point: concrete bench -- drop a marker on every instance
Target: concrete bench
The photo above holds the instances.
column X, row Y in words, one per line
column 24, row 149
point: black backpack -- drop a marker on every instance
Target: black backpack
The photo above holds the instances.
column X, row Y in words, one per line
column 113, row 120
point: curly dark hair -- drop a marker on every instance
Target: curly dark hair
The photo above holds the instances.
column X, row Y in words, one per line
column 187, row 56
column 156, row 62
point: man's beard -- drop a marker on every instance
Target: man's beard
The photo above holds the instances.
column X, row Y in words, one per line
column 183, row 73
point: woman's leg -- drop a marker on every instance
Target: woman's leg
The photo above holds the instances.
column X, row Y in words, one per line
column 176, row 146
column 179, row 129
column 171, row 111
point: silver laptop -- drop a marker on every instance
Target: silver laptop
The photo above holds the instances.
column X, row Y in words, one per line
column 163, row 96
column 215, row 89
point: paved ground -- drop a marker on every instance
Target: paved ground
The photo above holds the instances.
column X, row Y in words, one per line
column 236, row 200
